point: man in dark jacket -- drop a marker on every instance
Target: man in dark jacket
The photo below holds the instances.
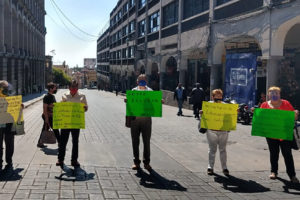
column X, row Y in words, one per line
column 198, row 96
column 180, row 96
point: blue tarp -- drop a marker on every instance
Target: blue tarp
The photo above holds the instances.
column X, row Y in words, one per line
column 240, row 77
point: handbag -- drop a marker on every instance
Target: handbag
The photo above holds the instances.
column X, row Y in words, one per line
column 201, row 130
column 18, row 127
column 128, row 121
column 296, row 140
column 48, row 136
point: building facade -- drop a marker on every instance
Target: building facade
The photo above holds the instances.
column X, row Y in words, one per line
column 191, row 41
column 22, row 44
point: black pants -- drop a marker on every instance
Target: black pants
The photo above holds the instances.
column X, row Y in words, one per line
column 286, row 151
column 9, row 138
column 141, row 125
column 64, row 137
column 56, row 131
column 197, row 107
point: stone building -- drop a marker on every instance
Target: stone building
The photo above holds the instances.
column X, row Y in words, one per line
column 22, row 44
column 191, row 41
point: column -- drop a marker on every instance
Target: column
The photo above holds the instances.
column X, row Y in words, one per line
column 273, row 71
column 1, row 26
column 215, row 76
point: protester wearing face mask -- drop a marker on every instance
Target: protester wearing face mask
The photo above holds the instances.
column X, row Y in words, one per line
column 217, row 138
column 6, row 132
column 76, row 97
column 275, row 102
column 48, row 102
column 141, row 125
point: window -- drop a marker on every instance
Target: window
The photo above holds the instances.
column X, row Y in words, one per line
column 170, row 14
column 219, row 2
column 131, row 27
column 125, row 30
column 131, row 3
column 120, row 14
column 119, row 54
column 124, row 53
column 193, row 7
column 142, row 28
column 130, row 52
column 154, row 22
column 125, row 8
column 142, row 3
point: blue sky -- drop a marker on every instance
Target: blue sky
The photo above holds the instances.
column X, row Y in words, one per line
column 89, row 15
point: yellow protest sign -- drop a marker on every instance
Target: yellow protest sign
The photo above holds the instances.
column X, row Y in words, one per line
column 10, row 108
column 219, row 116
column 68, row 115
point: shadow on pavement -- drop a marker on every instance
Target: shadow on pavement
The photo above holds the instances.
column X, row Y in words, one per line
column 50, row 152
column 290, row 186
column 156, row 181
column 76, row 174
column 11, row 174
column 187, row 116
column 234, row 184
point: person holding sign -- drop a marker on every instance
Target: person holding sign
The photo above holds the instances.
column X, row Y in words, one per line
column 275, row 145
column 6, row 132
column 141, row 125
column 71, row 96
column 217, row 138
column 48, row 101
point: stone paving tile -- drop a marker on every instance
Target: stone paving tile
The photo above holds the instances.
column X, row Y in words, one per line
column 244, row 185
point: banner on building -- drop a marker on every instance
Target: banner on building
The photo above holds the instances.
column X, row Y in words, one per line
column 240, row 77
column 273, row 123
column 219, row 116
column 68, row 115
column 10, row 108
column 144, row 103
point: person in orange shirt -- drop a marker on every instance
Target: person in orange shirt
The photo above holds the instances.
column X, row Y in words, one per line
column 275, row 102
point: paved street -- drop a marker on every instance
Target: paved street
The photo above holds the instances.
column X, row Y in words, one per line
column 178, row 157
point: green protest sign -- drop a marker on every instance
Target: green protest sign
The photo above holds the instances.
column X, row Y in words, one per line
column 273, row 123
column 144, row 103
column 68, row 115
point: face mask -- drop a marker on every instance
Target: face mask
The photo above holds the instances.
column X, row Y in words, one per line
column 142, row 83
column 73, row 91
column 5, row 91
column 274, row 97
column 217, row 100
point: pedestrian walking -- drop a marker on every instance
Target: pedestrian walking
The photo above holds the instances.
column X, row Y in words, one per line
column 141, row 125
column 71, row 96
column 197, row 96
column 117, row 89
column 217, row 139
column 275, row 145
column 6, row 132
column 48, row 103
column 180, row 96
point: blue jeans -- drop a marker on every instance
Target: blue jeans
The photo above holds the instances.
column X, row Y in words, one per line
column 180, row 102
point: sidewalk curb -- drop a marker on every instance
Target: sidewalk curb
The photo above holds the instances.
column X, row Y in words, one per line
column 31, row 102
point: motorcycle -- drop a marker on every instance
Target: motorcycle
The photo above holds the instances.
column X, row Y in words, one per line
column 244, row 114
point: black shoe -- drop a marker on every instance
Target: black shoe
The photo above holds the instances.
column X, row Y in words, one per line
column 75, row 163
column 210, row 171
column 8, row 167
column 226, row 172
column 41, row 145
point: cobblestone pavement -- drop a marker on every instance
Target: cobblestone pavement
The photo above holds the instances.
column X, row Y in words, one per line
column 178, row 153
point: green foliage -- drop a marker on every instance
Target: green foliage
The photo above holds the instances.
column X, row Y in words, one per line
column 60, row 77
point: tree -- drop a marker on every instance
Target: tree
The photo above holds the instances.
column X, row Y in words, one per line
column 60, row 77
